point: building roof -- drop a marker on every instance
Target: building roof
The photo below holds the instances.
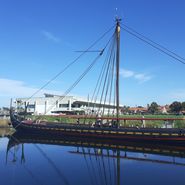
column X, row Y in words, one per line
column 141, row 109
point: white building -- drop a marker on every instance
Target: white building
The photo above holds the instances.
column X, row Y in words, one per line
column 54, row 104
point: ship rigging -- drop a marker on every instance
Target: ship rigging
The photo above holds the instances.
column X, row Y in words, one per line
column 107, row 86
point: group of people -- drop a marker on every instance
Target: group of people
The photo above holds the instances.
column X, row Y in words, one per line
column 101, row 123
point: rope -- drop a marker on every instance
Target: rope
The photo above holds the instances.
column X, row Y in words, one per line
column 155, row 46
column 103, row 88
column 104, row 170
column 62, row 177
column 36, row 180
column 107, row 72
column 99, row 81
column 88, row 168
column 106, row 76
column 109, row 79
column 76, row 82
column 99, row 167
column 110, row 176
column 93, row 168
column 71, row 63
column 100, row 78
column 112, row 80
column 153, row 42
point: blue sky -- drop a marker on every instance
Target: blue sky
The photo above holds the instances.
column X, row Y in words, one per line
column 38, row 38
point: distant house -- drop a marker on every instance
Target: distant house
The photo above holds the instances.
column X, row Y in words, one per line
column 138, row 110
column 183, row 112
column 164, row 109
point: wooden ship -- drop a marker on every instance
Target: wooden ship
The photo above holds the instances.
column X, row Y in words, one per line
column 110, row 132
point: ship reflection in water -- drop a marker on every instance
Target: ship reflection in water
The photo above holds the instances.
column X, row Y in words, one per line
column 46, row 160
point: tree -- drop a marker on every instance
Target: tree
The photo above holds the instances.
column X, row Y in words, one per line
column 176, row 107
column 153, row 108
column 183, row 105
column 125, row 109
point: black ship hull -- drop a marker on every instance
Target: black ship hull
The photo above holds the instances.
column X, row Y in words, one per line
column 160, row 135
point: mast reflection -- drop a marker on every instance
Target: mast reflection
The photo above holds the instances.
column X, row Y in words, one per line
column 102, row 158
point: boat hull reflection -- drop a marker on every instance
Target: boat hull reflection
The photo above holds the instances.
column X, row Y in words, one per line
column 162, row 149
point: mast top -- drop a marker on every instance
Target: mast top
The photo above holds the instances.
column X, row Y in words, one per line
column 118, row 20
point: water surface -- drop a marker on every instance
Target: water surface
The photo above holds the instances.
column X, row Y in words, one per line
column 46, row 162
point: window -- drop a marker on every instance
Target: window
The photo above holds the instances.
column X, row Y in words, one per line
column 31, row 106
column 63, row 105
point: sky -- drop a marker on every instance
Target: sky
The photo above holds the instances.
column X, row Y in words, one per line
column 38, row 38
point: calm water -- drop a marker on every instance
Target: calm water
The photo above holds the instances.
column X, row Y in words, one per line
column 72, row 164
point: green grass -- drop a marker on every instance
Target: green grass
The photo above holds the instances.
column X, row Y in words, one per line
column 128, row 123
column 152, row 123
column 4, row 122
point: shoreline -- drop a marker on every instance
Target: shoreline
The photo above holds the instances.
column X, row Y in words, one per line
column 6, row 131
column 4, row 123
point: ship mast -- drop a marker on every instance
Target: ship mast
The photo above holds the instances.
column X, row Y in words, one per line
column 117, row 66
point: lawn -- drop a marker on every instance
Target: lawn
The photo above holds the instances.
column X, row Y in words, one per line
column 127, row 123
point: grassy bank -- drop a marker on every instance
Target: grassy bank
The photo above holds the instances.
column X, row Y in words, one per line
column 156, row 123
column 128, row 123
column 6, row 131
column 4, row 122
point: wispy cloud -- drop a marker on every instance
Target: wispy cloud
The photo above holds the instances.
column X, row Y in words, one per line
column 126, row 73
column 50, row 36
column 140, row 77
column 16, row 89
